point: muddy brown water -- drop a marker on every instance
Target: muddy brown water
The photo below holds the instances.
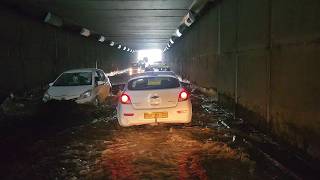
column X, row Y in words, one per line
column 67, row 141
column 96, row 148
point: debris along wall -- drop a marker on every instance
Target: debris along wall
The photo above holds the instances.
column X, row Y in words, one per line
column 262, row 58
column 33, row 53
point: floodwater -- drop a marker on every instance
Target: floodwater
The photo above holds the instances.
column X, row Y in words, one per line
column 68, row 141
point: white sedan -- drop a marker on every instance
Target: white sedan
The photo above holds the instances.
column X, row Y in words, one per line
column 154, row 99
column 80, row 85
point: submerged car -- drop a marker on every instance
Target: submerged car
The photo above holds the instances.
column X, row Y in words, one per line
column 80, row 85
column 154, row 99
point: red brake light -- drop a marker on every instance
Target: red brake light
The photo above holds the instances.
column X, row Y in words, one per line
column 128, row 114
column 183, row 95
column 125, row 99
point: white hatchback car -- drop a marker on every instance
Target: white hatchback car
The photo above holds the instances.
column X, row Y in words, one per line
column 154, row 99
column 80, row 85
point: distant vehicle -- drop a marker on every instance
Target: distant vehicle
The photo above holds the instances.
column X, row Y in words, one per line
column 135, row 69
column 153, row 99
column 80, row 85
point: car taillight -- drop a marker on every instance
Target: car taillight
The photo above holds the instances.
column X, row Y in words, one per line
column 125, row 99
column 183, row 95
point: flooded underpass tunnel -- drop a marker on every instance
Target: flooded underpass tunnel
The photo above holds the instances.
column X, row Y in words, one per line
column 157, row 89
column 87, row 143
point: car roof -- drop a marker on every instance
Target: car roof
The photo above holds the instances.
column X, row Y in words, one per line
column 152, row 75
column 81, row 70
column 160, row 73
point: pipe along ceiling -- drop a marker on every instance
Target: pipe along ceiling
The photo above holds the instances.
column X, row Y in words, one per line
column 126, row 25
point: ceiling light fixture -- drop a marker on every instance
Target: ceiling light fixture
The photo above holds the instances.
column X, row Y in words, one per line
column 85, row 32
column 101, row 39
column 171, row 41
column 53, row 20
column 178, row 33
column 189, row 19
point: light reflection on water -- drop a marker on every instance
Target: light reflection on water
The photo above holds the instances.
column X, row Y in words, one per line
column 175, row 154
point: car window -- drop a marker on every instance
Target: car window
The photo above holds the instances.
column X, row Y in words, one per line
column 150, row 83
column 74, row 79
column 96, row 77
column 101, row 76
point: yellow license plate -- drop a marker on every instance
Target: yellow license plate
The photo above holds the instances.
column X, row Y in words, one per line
column 154, row 115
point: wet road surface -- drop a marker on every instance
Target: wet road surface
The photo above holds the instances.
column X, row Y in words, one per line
column 68, row 141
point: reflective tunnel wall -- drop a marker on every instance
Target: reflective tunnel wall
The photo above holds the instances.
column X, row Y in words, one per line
column 262, row 60
column 33, row 53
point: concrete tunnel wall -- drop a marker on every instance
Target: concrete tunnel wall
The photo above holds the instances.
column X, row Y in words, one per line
column 33, row 53
column 262, row 60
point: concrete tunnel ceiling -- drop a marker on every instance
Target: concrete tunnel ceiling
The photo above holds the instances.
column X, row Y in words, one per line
column 138, row 24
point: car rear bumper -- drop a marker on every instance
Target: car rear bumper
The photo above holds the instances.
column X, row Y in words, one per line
column 128, row 116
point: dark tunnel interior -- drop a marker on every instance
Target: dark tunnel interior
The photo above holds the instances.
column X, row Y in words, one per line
column 229, row 89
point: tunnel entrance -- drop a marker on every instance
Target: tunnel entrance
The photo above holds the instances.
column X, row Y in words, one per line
column 150, row 56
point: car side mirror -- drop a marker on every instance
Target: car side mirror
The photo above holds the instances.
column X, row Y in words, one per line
column 50, row 84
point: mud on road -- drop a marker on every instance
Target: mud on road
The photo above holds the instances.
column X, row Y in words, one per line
column 69, row 141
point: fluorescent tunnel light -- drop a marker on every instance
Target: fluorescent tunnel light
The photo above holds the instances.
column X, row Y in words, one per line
column 101, row 39
column 85, row 32
column 178, row 33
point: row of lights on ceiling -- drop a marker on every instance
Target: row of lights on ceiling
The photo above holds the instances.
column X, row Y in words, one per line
column 86, row 32
column 57, row 21
column 196, row 7
column 188, row 20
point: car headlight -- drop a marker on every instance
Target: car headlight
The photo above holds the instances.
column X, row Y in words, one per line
column 46, row 97
column 85, row 94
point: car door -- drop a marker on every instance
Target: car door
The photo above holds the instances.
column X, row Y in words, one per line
column 96, row 89
column 108, row 84
column 104, row 88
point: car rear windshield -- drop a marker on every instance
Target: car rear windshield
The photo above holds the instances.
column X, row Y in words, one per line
column 74, row 79
column 150, row 83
